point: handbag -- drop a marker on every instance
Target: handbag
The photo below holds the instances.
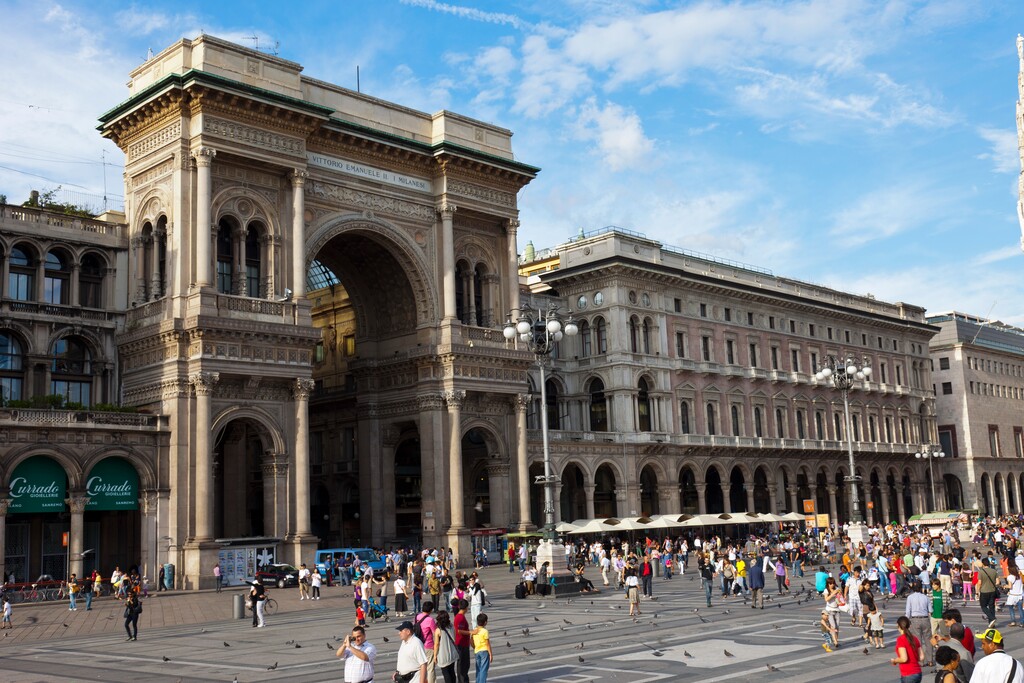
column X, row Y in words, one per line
column 447, row 653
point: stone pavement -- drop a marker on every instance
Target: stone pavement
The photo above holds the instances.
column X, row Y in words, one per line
column 590, row 638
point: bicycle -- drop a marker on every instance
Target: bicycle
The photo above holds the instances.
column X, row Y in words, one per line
column 269, row 606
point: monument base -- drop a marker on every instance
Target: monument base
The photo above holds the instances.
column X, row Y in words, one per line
column 562, row 582
column 858, row 533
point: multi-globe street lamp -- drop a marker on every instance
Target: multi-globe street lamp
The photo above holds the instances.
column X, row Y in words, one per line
column 540, row 329
column 929, row 453
column 844, row 375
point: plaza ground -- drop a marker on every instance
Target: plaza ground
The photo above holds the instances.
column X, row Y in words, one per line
column 668, row 642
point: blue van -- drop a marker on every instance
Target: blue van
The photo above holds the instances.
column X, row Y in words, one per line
column 366, row 555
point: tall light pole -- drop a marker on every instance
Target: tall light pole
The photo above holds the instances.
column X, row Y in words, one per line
column 929, row 453
column 539, row 329
column 844, row 375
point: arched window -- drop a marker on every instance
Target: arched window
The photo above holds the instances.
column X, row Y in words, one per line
column 711, row 419
column 800, row 431
column 819, row 425
column 602, row 336
column 253, row 271
column 461, row 307
column 598, row 407
column 780, row 425
column 855, row 421
column 684, row 417
column 225, row 257
column 21, row 282
column 634, row 335
column 758, row 428
column 90, row 282
column 646, row 333
column 839, row 427
column 551, row 395
column 585, row 341
column 12, row 369
column 872, row 428
column 734, row 414
column 479, row 278
column 71, row 371
column 643, row 402
column 57, row 279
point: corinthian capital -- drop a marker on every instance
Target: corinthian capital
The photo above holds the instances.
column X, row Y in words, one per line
column 298, row 177
column 203, row 382
column 204, row 155
column 512, row 226
column 302, row 389
column 521, row 402
column 454, row 399
column 77, row 504
column 447, row 210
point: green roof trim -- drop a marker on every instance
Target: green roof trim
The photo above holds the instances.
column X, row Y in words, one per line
column 197, row 76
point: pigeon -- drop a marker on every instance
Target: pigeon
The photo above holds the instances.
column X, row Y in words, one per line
column 772, row 668
column 289, row 642
column 203, row 631
column 567, row 622
column 65, row 626
column 527, row 652
column 578, row 647
column 728, row 654
column 587, row 611
column 775, row 627
column 696, row 610
column 542, row 605
column 166, row 658
column 330, row 647
column 385, row 639
column 865, row 651
column 703, row 620
column 227, row 644
column 526, row 632
column 580, row 658
column 536, row 619
column 297, row 646
column 508, row 644
column 726, row 612
column 272, row 668
column 687, row 654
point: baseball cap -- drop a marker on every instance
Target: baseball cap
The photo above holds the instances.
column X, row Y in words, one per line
column 404, row 625
column 991, row 635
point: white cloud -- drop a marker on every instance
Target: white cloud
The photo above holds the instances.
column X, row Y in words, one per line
column 139, row 22
column 997, row 255
column 1003, row 151
column 887, row 212
column 469, row 13
column 549, row 81
column 618, row 133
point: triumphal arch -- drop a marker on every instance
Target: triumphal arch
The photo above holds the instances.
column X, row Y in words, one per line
column 318, row 282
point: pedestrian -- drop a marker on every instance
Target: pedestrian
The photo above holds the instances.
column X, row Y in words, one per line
column 424, row 626
column 446, row 654
column 463, row 641
column 257, row 600
column 329, row 570
column 132, row 610
column 477, row 597
column 359, row 656
column 86, row 590
column 876, row 624
column 315, row 581
column 7, row 613
column 948, row 661
column 1014, row 593
column 996, row 666
column 303, row 582
column 647, row 576
column 755, row 578
column 633, row 592
column 482, row 649
column 217, row 577
column 909, row 654
column 511, row 554
column 954, row 641
column 411, row 666
column 707, row 575
column 828, row 632
column 401, row 595
column 988, row 585
column 160, row 579
column 918, row 612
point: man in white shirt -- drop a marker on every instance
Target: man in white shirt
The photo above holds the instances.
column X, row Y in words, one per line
column 412, row 657
column 996, row 666
column 303, row 582
column 359, row 656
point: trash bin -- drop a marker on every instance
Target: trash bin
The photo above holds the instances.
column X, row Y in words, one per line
column 238, row 606
column 657, row 567
column 168, row 576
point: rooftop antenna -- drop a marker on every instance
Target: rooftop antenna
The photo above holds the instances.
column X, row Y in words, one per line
column 984, row 322
column 103, row 158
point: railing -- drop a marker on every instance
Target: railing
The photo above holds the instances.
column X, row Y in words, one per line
column 487, row 335
column 36, row 216
column 77, row 417
column 145, row 311
column 57, row 310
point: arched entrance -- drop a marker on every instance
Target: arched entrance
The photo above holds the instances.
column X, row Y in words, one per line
column 986, row 497
column 713, row 497
column 954, row 492
column 737, row 491
column 689, row 503
column 408, row 490
column 37, row 519
column 762, row 496
column 112, row 521
column 573, row 503
column 649, row 492
column 249, row 483
column 605, row 504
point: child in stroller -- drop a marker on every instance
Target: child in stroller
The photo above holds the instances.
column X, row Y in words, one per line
column 378, row 611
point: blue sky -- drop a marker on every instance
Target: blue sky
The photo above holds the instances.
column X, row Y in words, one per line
column 868, row 146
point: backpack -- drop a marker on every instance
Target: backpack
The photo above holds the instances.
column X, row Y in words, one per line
column 417, row 628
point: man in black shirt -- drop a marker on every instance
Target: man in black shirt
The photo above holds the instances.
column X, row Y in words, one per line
column 257, row 597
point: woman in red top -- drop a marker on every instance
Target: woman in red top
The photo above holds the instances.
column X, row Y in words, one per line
column 909, row 655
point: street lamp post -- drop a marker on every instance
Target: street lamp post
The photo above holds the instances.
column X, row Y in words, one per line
column 539, row 329
column 929, row 453
column 844, row 375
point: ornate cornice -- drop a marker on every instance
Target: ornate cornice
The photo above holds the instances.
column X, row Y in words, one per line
column 482, row 193
column 254, row 137
column 455, row 399
column 368, row 200
column 203, row 382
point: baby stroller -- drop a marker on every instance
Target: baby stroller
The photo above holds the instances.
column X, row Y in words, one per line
column 378, row 611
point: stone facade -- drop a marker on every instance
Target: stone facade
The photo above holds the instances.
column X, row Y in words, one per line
column 979, row 385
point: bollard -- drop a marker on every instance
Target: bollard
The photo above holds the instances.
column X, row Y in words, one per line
column 238, row 611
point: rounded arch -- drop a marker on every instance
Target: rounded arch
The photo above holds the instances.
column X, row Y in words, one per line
column 245, row 206
column 142, row 466
column 689, row 497
column 94, row 343
column 151, row 207
column 492, row 441
column 650, row 490
column 266, row 424
column 67, row 459
column 605, row 484
column 714, row 492
column 474, row 252
column 762, row 491
column 573, row 496
column 383, row 238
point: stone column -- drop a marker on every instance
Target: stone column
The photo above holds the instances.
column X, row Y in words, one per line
column 202, row 383
column 511, row 228
column 900, row 513
column 76, row 285
column 204, row 191
column 773, row 498
column 498, row 490
column 471, row 296
column 447, row 212
column 76, row 539
column 390, row 435
column 298, row 233
column 275, row 493
column 156, row 285
column 833, row 508
column 522, row 403
column 238, row 285
column 455, row 399
column 702, row 501
column 267, row 264
column 148, row 512
column 301, row 390
column 138, row 258
column 749, row 490
column 885, row 503
column 588, row 493
column 792, row 491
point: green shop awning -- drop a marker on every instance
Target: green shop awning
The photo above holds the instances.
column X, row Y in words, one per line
column 38, row 484
column 113, row 484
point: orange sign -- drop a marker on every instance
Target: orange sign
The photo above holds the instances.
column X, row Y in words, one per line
column 871, row 505
column 809, row 506
column 64, row 539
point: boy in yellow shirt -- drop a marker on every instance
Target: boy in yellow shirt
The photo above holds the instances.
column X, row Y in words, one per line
column 482, row 648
